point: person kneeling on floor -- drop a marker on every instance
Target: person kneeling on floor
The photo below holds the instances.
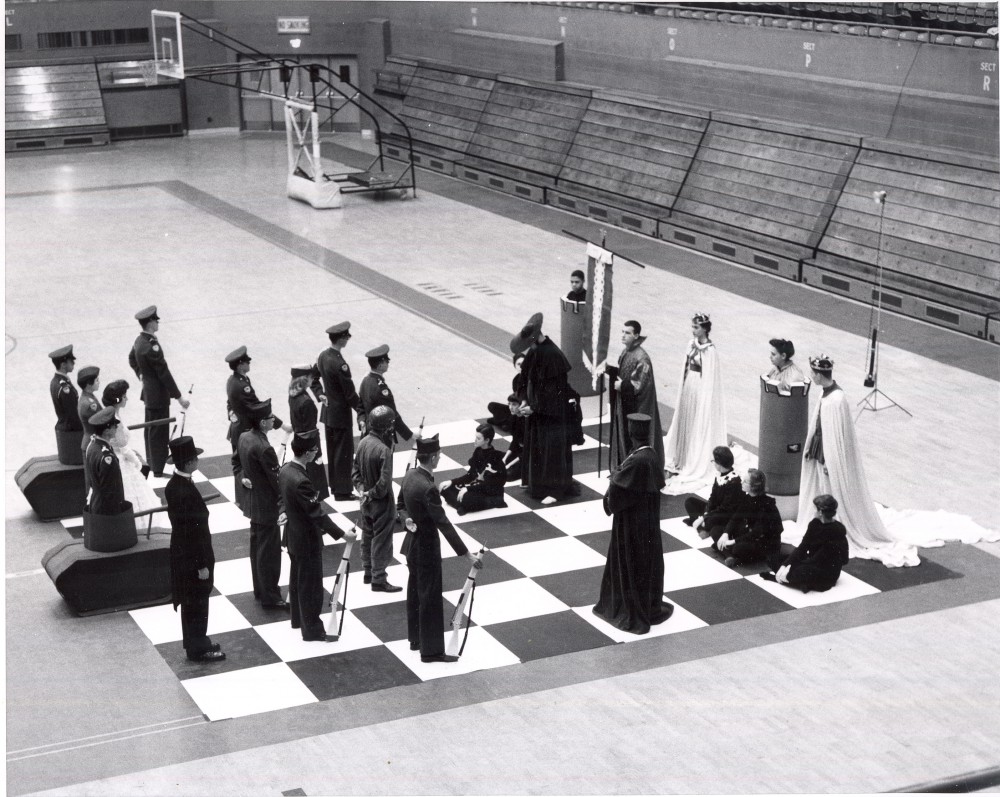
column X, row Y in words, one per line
column 816, row 563
column 723, row 502
column 753, row 534
column 482, row 487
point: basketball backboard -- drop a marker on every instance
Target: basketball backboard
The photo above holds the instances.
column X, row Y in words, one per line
column 168, row 50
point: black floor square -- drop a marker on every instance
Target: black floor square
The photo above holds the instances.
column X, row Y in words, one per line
column 726, row 601
column 748, row 569
column 216, row 467
column 254, row 612
column 332, row 554
column 672, row 506
column 510, row 530
column 229, row 545
column 605, row 430
column 598, row 540
column 586, row 494
column 388, row 621
column 585, row 461
column 574, row 587
column 455, row 569
column 548, row 635
column 352, row 672
column 243, row 649
column 888, row 578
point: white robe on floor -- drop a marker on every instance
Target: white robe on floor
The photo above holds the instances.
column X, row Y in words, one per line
column 698, row 425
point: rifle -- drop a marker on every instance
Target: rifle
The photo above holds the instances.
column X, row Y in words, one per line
column 183, row 417
column 340, row 589
column 284, row 446
column 468, row 595
column 413, row 457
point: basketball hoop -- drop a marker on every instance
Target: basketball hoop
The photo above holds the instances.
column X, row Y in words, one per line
column 148, row 71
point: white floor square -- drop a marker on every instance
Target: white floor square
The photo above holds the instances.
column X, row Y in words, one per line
column 482, row 652
column 360, row 594
column 585, row 517
column 545, row 557
column 676, row 527
column 588, row 443
column 226, row 487
column 681, row 620
column 234, row 577
column 847, row 587
column 227, row 517
column 598, row 484
column 514, row 507
column 510, row 600
column 243, row 692
column 162, row 624
column 287, row 642
column 683, row 569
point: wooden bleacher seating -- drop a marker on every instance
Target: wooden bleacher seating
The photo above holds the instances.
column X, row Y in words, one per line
column 54, row 106
column 771, row 189
column 526, row 129
column 631, row 154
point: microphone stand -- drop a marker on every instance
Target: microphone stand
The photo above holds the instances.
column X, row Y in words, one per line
column 870, row 401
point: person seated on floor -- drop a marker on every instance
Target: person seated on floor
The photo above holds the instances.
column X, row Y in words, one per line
column 753, row 534
column 482, row 487
column 577, row 292
column 512, row 459
column 722, row 503
column 816, row 563
column 502, row 415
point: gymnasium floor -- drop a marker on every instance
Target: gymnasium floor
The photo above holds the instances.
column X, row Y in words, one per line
column 888, row 687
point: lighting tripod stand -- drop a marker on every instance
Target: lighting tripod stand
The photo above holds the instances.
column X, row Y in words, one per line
column 871, row 401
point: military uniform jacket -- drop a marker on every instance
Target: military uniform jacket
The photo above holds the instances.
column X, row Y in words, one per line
column 87, row 405
column 108, row 494
column 260, row 466
column 65, row 400
column 375, row 393
column 372, row 471
column 240, row 395
column 307, row 520
column 190, row 541
column 303, row 414
column 423, row 504
column 339, row 389
column 149, row 364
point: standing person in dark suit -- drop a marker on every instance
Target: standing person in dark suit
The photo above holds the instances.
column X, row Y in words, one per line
column 372, row 477
column 192, row 560
column 240, row 397
column 260, row 476
column 304, row 419
column 374, row 392
column 307, row 522
column 158, row 386
column 106, row 494
column 340, row 399
column 64, row 395
column 424, row 604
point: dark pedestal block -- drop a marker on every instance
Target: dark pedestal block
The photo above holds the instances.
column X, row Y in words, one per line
column 54, row 490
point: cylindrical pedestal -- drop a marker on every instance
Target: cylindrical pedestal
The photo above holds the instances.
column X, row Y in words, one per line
column 109, row 533
column 69, row 448
column 784, row 423
column 572, row 327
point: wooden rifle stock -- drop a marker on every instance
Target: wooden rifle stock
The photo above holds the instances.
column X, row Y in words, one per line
column 340, row 590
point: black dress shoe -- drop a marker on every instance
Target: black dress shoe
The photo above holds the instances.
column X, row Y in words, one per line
column 207, row 656
column 324, row 638
column 414, row 646
column 440, row 657
column 160, row 475
column 368, row 576
column 284, row 605
column 769, row 577
column 345, row 497
column 689, row 521
column 385, row 586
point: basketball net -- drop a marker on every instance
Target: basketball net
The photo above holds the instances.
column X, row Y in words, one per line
column 148, row 71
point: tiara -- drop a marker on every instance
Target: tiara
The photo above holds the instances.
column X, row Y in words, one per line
column 700, row 318
column 821, row 362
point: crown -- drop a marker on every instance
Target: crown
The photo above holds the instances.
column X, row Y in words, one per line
column 821, row 362
column 700, row 318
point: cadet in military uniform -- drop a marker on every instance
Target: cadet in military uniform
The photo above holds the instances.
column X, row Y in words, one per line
column 64, row 395
column 374, row 392
column 240, row 397
column 106, row 495
column 192, row 560
column 372, row 477
column 307, row 522
column 304, row 419
column 88, row 404
column 341, row 398
column 158, row 386
column 424, row 604
column 260, row 476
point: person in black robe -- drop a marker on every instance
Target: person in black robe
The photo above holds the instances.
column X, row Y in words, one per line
column 632, row 585
column 482, row 486
column 548, row 466
column 304, row 418
column 192, row 560
column 723, row 502
column 816, row 563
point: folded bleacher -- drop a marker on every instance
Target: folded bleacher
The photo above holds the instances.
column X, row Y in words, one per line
column 54, row 106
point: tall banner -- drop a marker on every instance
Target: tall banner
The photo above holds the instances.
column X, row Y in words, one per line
column 595, row 342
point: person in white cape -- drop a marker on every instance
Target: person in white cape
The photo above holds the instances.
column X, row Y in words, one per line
column 137, row 490
column 832, row 465
column 699, row 422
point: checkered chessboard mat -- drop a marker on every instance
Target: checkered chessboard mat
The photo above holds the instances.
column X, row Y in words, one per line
column 540, row 580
